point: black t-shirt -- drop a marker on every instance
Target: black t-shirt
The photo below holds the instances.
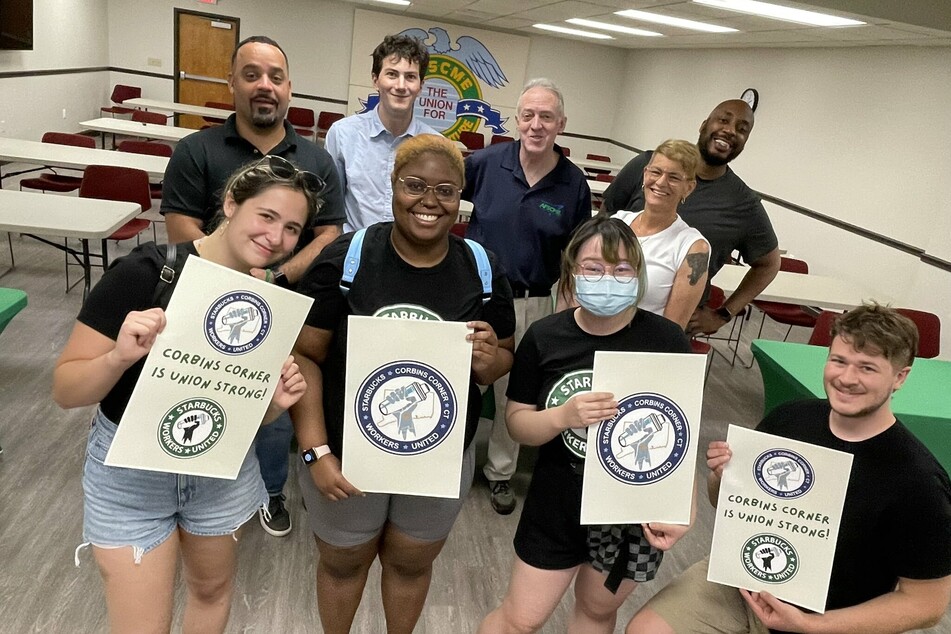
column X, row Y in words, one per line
column 896, row 520
column 128, row 285
column 449, row 291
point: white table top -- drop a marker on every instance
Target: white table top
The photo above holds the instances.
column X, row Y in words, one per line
column 65, row 216
column 134, row 128
column 805, row 290
column 174, row 106
column 597, row 187
column 54, row 155
column 583, row 163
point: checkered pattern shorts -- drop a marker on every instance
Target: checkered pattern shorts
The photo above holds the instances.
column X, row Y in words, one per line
column 623, row 552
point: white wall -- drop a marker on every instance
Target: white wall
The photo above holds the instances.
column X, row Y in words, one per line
column 67, row 34
column 860, row 134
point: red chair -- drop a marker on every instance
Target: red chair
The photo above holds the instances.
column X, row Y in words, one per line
column 120, row 93
column 605, row 178
column 221, row 106
column 303, row 121
column 459, row 229
column 596, row 171
column 153, row 149
column 472, row 140
column 822, row 331
column 599, row 157
column 566, row 151
column 789, row 314
column 501, row 138
column 715, row 300
column 929, row 331
column 325, row 120
column 144, row 116
column 51, row 181
column 106, row 182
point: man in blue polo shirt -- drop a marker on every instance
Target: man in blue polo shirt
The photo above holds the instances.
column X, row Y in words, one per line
column 528, row 199
column 363, row 145
column 197, row 172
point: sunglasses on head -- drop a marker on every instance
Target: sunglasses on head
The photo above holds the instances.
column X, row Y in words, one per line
column 282, row 168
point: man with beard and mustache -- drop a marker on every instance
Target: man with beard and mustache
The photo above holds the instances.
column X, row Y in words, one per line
column 892, row 566
column 727, row 212
column 197, row 172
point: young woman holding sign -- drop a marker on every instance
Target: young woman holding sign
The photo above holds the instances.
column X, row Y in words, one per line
column 138, row 522
column 550, row 405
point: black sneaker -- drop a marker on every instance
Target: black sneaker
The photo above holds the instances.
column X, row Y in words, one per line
column 275, row 520
column 503, row 500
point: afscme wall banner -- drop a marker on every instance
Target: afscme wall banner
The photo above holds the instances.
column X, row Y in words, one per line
column 473, row 80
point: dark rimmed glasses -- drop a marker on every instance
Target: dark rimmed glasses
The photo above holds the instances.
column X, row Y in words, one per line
column 282, row 168
column 417, row 188
column 622, row 272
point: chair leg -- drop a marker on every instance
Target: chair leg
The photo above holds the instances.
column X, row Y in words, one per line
column 10, row 244
column 105, row 256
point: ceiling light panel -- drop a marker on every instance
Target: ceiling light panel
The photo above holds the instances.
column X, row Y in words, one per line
column 604, row 26
column 659, row 18
column 567, row 31
column 778, row 12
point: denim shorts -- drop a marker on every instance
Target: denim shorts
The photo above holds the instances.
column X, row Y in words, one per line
column 133, row 507
column 356, row 520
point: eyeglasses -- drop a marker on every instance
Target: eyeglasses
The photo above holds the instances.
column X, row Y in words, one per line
column 674, row 178
column 622, row 272
column 282, row 168
column 417, row 188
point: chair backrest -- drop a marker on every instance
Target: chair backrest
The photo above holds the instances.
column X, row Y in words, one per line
column 822, row 331
column 566, row 150
column 145, row 147
column 144, row 116
column 301, row 117
column 792, row 265
column 716, row 298
column 599, row 157
column 121, row 92
column 326, row 119
column 125, row 184
column 929, row 331
column 606, row 178
column 65, row 138
column 501, row 138
column 219, row 105
column 472, row 140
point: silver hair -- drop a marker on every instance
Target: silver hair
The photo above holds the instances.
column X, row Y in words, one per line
column 547, row 84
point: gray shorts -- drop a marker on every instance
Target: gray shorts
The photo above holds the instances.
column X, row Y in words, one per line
column 357, row 520
column 691, row 604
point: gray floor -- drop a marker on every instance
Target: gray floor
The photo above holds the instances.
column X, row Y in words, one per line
column 41, row 500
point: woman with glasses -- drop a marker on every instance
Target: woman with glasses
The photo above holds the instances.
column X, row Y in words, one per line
column 550, row 405
column 676, row 254
column 411, row 268
column 138, row 522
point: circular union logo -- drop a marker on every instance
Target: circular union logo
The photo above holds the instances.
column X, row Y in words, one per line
column 646, row 441
column 447, row 82
column 406, row 407
column 576, row 382
column 770, row 558
column 191, row 427
column 237, row 322
column 407, row 311
column 783, row 473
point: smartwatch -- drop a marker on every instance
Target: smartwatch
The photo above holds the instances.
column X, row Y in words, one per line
column 278, row 277
column 314, row 454
column 724, row 313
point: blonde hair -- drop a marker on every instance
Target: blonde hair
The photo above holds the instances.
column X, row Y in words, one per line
column 415, row 147
column 683, row 152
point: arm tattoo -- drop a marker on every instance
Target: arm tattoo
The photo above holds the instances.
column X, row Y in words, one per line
column 698, row 266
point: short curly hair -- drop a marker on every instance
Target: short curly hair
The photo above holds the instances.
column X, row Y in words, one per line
column 404, row 47
column 413, row 148
column 876, row 329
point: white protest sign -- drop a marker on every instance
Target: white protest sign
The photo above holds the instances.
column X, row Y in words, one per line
column 778, row 515
column 406, row 397
column 640, row 464
column 210, row 375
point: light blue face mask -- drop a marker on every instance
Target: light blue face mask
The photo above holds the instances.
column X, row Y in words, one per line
column 606, row 297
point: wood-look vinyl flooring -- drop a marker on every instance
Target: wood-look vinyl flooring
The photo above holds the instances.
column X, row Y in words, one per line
column 41, row 500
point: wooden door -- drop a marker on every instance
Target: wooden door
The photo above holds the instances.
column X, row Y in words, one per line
column 203, row 47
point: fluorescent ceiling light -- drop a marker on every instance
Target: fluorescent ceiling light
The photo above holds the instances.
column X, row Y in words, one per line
column 766, row 10
column 567, row 31
column 613, row 27
column 671, row 21
column 402, row 3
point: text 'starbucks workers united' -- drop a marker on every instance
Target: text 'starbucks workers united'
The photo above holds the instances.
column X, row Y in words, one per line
column 191, row 427
column 567, row 386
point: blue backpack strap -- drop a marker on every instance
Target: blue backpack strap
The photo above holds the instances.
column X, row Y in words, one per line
column 485, row 269
column 351, row 263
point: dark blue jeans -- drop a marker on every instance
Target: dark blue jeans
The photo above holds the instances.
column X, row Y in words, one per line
column 272, row 444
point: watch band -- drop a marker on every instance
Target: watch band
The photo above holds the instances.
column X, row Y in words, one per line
column 278, row 278
column 724, row 313
column 314, row 454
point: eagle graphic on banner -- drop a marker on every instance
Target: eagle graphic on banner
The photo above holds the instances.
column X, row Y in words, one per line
column 468, row 50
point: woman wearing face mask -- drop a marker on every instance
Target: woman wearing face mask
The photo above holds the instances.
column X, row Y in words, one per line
column 550, row 405
column 676, row 254
column 138, row 522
